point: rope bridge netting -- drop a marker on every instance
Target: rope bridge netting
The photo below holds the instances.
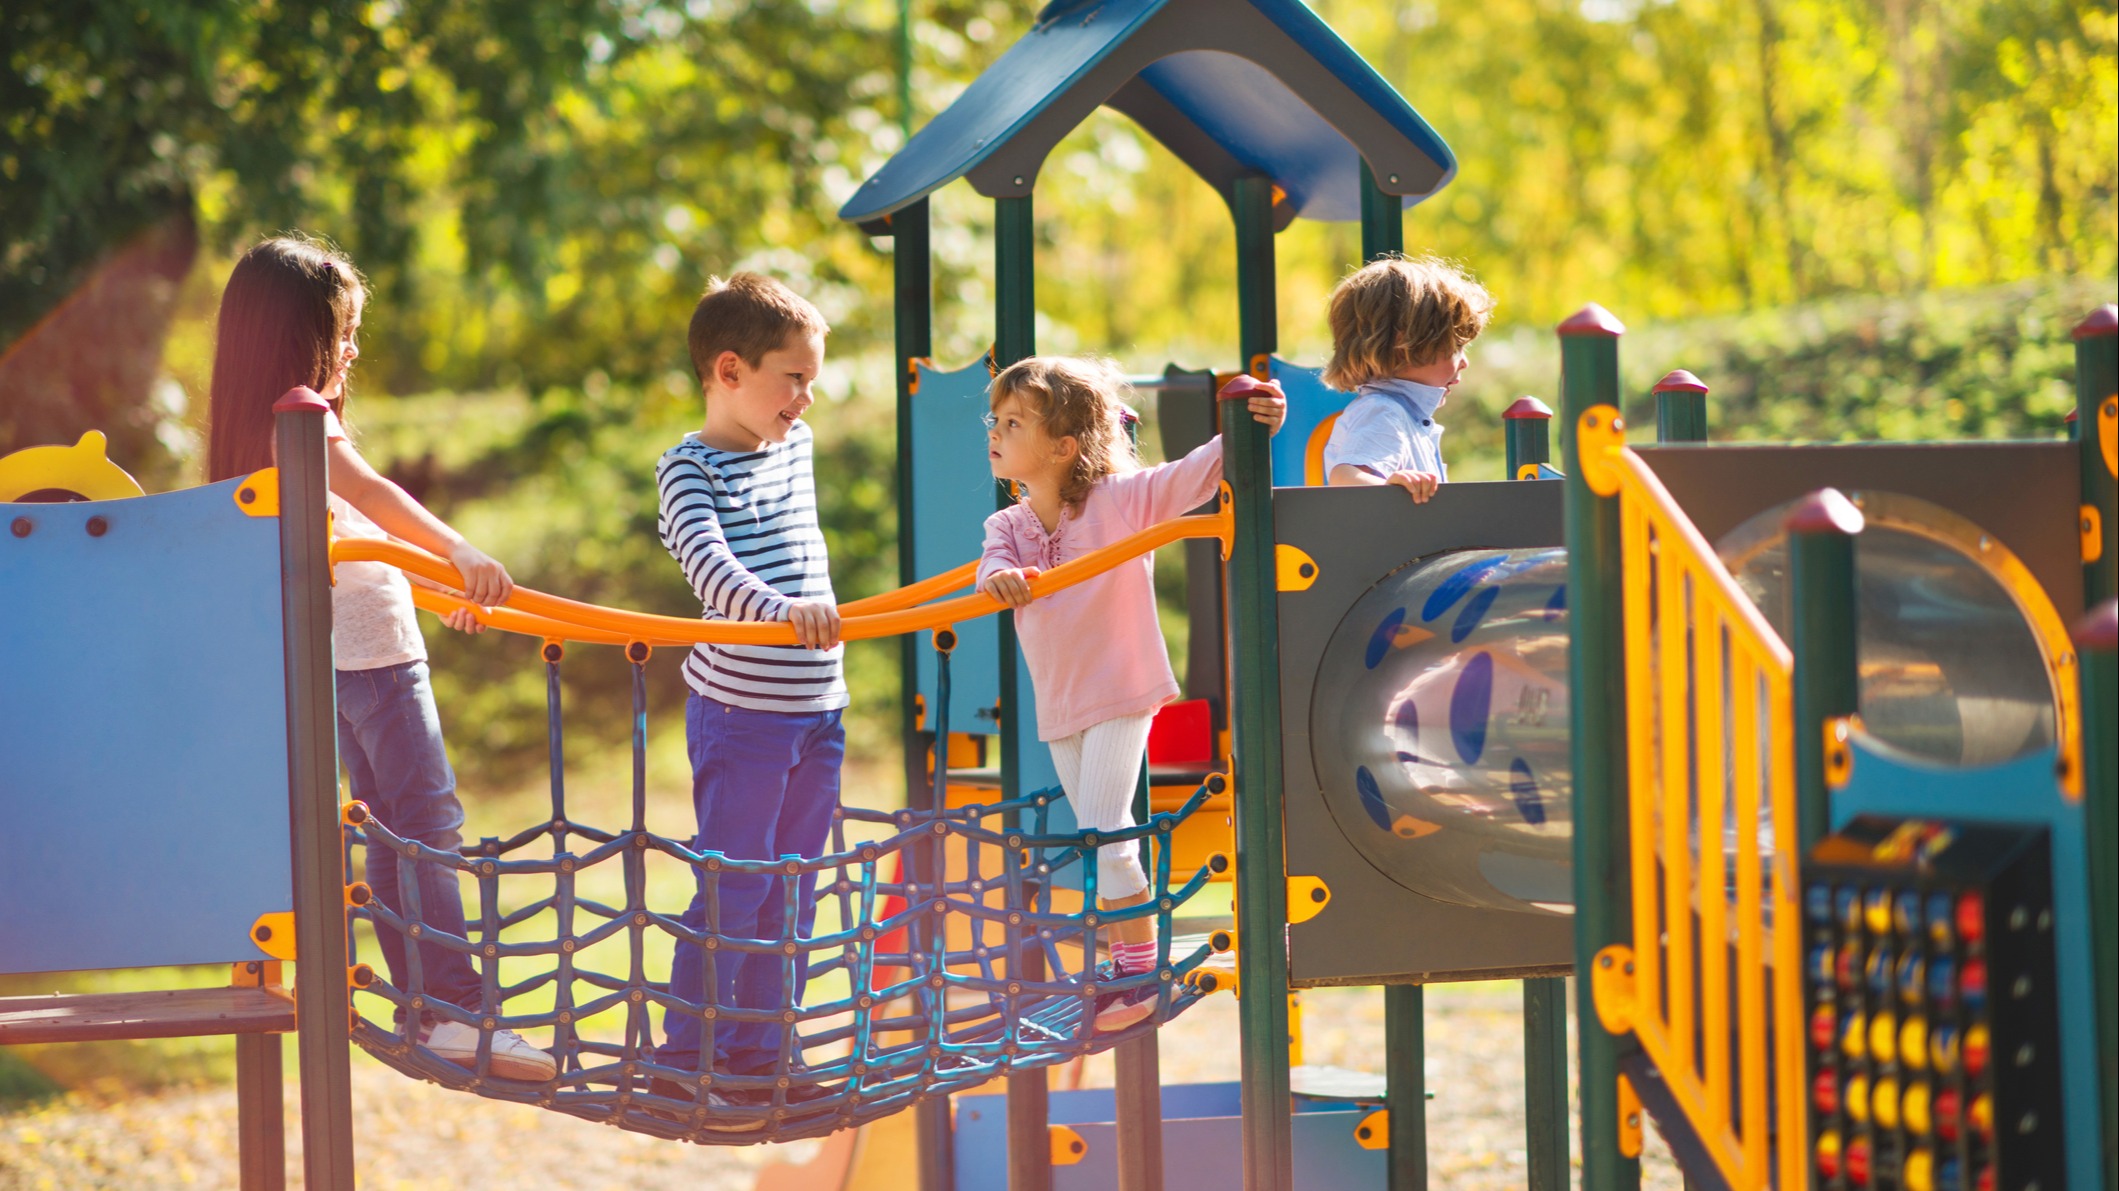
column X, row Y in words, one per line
column 951, row 945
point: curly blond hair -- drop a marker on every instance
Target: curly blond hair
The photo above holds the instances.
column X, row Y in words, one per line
column 1077, row 397
column 1399, row 313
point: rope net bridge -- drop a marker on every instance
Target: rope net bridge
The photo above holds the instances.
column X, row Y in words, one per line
column 952, row 945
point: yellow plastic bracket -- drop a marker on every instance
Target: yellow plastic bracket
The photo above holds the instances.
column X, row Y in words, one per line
column 1527, row 471
column 1221, row 977
column 1629, row 1119
column 1600, row 434
column 82, row 469
column 359, row 976
column 1307, row 898
column 1611, row 982
column 256, row 973
column 2108, row 433
column 1068, row 1147
column 274, row 934
column 1296, row 570
column 1262, row 366
column 1374, row 1131
column 1313, row 452
column 259, row 493
column 1839, row 749
column 2092, row 534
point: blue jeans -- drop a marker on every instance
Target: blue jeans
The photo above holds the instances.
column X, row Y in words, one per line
column 764, row 785
column 389, row 739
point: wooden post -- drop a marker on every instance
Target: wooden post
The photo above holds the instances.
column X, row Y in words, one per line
column 1589, row 385
column 322, row 1000
column 1680, row 408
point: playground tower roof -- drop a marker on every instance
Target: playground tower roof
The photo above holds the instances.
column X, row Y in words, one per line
column 1230, row 86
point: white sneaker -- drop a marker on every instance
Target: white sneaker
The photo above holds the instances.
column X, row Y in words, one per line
column 513, row 1056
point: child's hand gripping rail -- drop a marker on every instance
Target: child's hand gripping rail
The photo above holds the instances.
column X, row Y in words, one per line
column 537, row 614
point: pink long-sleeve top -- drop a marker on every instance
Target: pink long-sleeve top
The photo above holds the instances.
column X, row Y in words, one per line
column 1096, row 649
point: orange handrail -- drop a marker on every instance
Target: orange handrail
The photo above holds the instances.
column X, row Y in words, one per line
column 1710, row 741
column 539, row 614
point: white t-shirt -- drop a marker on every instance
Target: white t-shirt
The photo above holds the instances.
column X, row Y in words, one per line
column 372, row 624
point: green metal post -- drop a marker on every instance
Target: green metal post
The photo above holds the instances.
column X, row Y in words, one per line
column 1589, row 378
column 1822, row 635
column 1014, row 338
column 1405, row 1086
column 1680, row 408
column 913, row 274
column 2096, row 411
column 905, row 71
column 1261, row 865
column 1526, row 429
column 2096, row 635
column 322, row 1002
column 1545, row 1081
column 1404, row 1005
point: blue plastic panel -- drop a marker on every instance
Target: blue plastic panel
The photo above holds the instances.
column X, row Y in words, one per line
column 1311, row 403
column 2019, row 791
column 143, row 733
column 952, row 495
column 1202, row 1141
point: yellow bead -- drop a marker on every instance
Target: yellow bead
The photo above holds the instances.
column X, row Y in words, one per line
column 1855, row 1042
column 1914, row 1109
column 1982, row 1114
column 1920, row 1171
column 1913, row 1043
column 1877, row 910
column 1884, row 1105
column 1883, row 1038
column 1858, row 1098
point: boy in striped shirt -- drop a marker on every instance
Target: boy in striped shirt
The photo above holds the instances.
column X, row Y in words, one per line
column 762, row 722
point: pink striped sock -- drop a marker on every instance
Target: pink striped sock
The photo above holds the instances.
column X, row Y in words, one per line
column 1134, row 958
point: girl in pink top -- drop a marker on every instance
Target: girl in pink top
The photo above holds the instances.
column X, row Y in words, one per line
column 1095, row 650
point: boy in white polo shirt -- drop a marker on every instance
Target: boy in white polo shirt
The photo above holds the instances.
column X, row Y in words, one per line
column 1399, row 333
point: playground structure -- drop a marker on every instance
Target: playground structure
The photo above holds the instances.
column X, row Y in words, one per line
column 1513, row 724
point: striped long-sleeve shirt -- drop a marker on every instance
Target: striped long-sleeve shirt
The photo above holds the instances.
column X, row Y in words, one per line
column 743, row 525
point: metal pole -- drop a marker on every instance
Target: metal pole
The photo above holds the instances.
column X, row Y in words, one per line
column 1545, row 1081
column 1382, row 219
column 1526, row 427
column 1822, row 637
column 2095, row 638
column 905, row 73
column 1680, row 408
column 1261, row 865
column 1589, row 384
column 1405, row 1085
column 2096, row 412
column 261, row 1117
column 1138, row 1088
column 322, row 1001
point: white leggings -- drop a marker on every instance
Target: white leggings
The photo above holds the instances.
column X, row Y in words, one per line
column 1099, row 767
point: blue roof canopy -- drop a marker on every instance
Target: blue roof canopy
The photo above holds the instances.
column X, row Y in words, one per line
column 1232, row 87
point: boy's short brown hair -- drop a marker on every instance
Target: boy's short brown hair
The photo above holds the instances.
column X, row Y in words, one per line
column 1399, row 313
column 749, row 314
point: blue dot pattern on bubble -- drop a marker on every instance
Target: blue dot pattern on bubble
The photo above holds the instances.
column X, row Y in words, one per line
column 1474, row 612
column 1470, row 704
column 1524, row 787
column 1372, row 797
column 1380, row 640
column 1557, row 605
column 1456, row 587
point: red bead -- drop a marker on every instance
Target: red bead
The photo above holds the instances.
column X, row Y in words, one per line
column 1824, row 1092
column 1971, row 918
column 1822, row 1028
column 1858, row 1162
column 1949, row 1109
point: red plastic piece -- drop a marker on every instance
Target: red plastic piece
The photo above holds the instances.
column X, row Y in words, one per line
column 1949, row 1111
column 1822, row 1027
column 1971, row 920
column 1527, row 407
column 1242, row 385
column 1823, row 511
column 2098, row 631
column 300, row 399
column 1858, row 1162
column 1592, row 320
column 1182, row 734
column 2070, row 418
column 1975, row 1053
column 1824, row 1092
column 1986, row 1179
column 2099, row 322
column 1679, row 381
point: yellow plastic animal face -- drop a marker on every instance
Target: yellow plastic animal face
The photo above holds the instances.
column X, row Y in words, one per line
column 57, row 474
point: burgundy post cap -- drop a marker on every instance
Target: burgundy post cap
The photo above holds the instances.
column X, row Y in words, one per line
column 2100, row 322
column 1242, row 385
column 1592, row 320
column 301, row 399
column 2098, row 630
column 1823, row 511
column 2070, row 418
column 1527, row 407
column 1679, row 381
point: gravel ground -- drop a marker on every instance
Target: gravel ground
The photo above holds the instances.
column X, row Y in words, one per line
column 415, row 1135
